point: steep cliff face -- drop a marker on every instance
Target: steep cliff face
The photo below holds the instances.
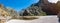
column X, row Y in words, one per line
column 49, row 8
column 52, row 8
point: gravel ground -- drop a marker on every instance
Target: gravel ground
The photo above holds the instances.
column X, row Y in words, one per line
column 42, row 19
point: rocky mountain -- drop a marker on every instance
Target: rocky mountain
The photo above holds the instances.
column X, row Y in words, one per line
column 7, row 11
column 36, row 8
column 43, row 6
column 48, row 7
column 33, row 10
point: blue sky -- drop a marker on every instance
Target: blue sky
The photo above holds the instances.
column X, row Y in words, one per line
column 21, row 4
column 18, row 4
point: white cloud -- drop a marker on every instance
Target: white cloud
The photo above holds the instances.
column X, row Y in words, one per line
column 53, row 1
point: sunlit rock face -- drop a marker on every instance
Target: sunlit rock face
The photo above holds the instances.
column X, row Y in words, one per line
column 7, row 12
